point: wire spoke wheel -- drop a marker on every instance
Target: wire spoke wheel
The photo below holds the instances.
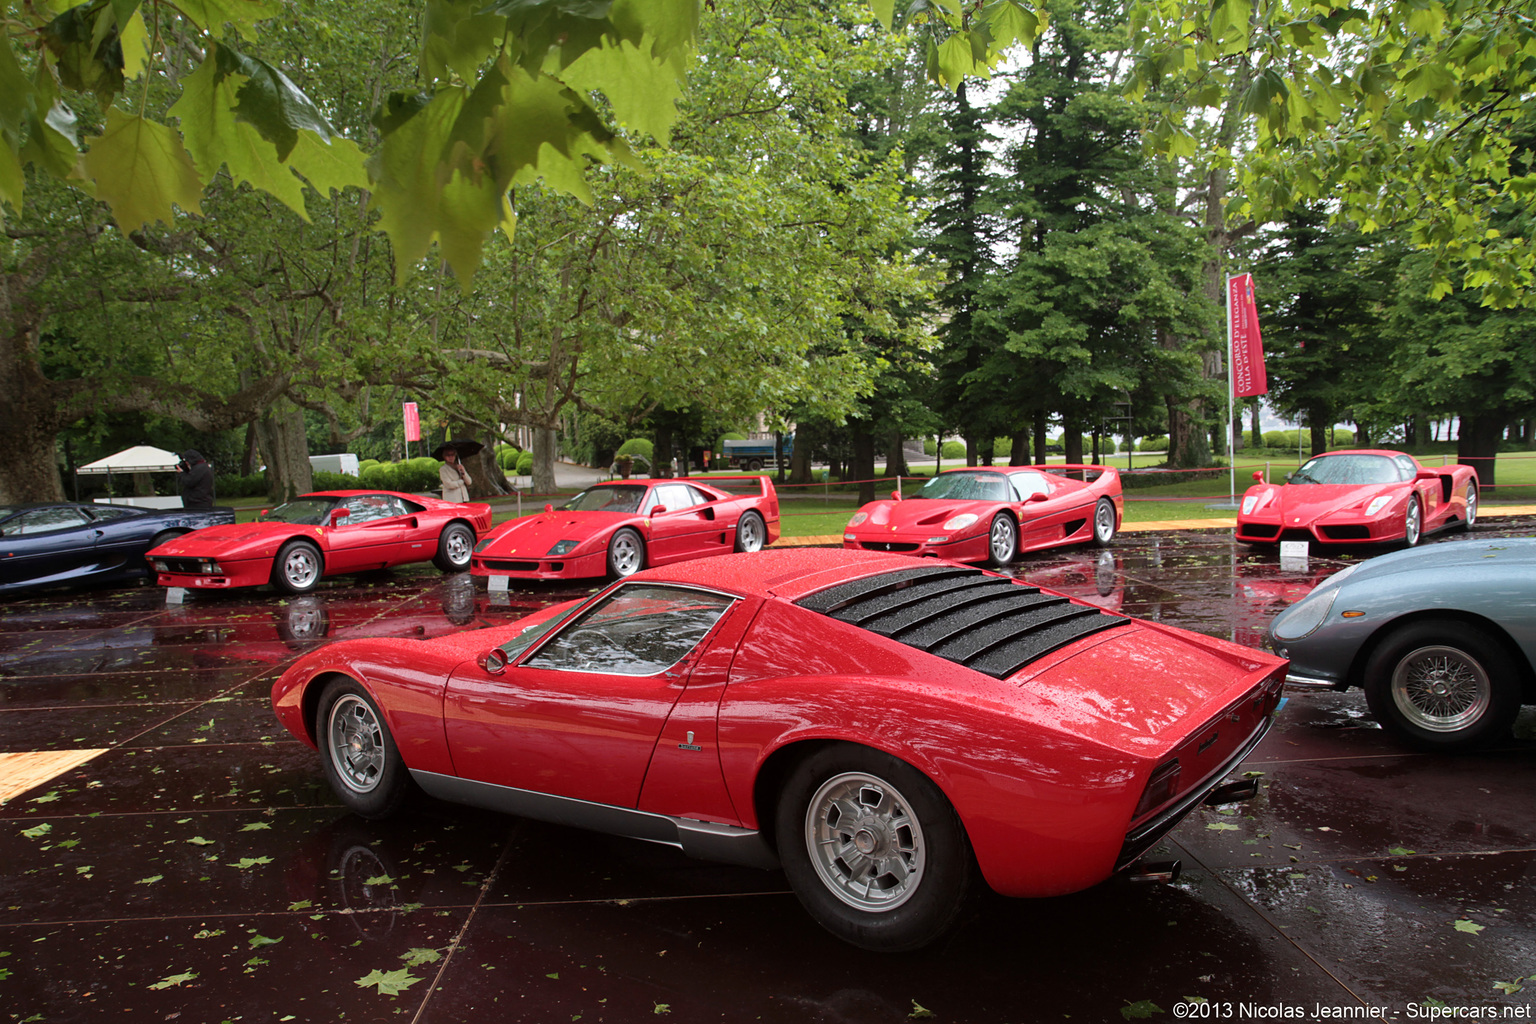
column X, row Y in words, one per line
column 1441, row 689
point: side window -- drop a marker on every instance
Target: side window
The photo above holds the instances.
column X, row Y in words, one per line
column 365, row 508
column 45, row 520
column 638, row 630
column 674, row 497
column 107, row 512
column 1406, row 470
column 1025, row 484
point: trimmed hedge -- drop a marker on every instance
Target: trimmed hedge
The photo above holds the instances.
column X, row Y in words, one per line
column 524, row 464
column 639, row 447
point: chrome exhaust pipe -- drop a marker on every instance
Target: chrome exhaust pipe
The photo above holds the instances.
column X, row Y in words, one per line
column 1155, row 871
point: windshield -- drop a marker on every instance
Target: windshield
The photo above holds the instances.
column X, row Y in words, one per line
column 618, row 498
column 1347, row 469
column 301, row 511
column 967, row 487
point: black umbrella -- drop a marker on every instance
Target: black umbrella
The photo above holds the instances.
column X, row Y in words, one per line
column 465, row 448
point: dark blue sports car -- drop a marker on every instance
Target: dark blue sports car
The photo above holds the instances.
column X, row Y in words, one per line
column 70, row 542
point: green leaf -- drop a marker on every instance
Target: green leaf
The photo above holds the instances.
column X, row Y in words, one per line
column 250, row 862
column 37, row 831
column 257, row 941
column 173, row 980
column 1399, row 851
column 417, row 956
column 1222, row 826
column 1509, row 988
column 389, row 983
column 920, row 1012
column 141, row 170
column 256, row 826
column 1470, row 927
column 329, row 165
column 151, row 880
column 200, row 841
column 271, row 103
column 642, row 91
column 405, row 171
column 15, row 90
column 883, row 9
column 212, row 15
column 1140, row 1010
column 87, row 61
column 53, row 143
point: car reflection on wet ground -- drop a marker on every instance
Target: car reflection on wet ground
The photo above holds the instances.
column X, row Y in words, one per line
column 168, row 853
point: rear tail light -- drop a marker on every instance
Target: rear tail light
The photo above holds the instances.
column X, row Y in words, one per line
column 1161, row 788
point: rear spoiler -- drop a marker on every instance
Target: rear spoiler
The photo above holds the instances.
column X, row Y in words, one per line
column 1086, row 473
column 745, row 484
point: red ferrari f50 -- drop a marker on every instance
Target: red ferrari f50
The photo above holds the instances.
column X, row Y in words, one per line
column 885, row 730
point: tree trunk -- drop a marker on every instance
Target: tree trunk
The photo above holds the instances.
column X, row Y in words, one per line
column 895, row 459
column 800, row 463
column 972, row 456
column 1257, row 437
column 280, row 432
column 1019, row 455
column 985, row 451
column 1072, row 442
column 544, row 445
column 1477, row 444
column 661, row 451
column 1319, row 436
column 862, row 465
column 1041, row 437
column 250, row 458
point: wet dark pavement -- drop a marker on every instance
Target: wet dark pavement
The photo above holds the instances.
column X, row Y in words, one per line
column 198, row 869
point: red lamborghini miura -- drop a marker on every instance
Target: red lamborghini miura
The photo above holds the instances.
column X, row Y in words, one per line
column 887, row 731
column 324, row 534
column 990, row 515
column 619, row 528
column 1365, row 496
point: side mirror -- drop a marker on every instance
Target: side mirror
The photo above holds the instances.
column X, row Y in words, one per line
column 263, row 513
column 896, row 494
column 338, row 514
column 493, row 661
column 548, row 507
column 1426, row 474
column 1036, row 497
column 1258, row 475
column 658, row 510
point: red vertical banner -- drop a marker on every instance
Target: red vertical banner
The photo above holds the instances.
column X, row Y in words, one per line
column 412, row 422
column 1248, row 377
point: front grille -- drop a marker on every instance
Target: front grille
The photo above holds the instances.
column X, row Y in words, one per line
column 185, row 566
column 510, row 566
column 886, row 545
column 1260, row 530
column 1346, row 532
column 1305, row 535
column 985, row 622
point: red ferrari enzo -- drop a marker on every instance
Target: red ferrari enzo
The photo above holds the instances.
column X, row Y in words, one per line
column 1365, row 496
column 619, row 528
column 990, row 515
column 326, row 533
column 886, row 731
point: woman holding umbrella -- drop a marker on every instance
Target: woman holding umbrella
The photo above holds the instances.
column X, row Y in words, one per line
column 454, row 476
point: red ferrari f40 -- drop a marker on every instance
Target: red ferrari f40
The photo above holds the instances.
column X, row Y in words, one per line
column 619, row 528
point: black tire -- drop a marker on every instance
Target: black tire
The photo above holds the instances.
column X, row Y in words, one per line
column 298, row 567
column 1443, row 685
column 1413, row 522
column 751, row 533
column 1103, row 523
column 1002, row 540
column 754, row 465
column 357, row 753
column 454, row 547
column 162, row 537
column 1470, row 519
column 916, row 878
column 626, row 553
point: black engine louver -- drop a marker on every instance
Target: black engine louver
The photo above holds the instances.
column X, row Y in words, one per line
column 987, row 623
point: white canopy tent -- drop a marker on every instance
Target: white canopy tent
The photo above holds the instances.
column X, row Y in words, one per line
column 141, row 458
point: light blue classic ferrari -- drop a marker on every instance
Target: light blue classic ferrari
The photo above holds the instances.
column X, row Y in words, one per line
column 1442, row 639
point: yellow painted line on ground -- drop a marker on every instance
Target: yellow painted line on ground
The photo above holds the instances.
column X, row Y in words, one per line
column 27, row 769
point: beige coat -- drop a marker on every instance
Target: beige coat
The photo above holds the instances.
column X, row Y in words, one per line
column 456, row 481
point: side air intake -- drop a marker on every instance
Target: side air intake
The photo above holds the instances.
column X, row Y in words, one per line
column 987, row 623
